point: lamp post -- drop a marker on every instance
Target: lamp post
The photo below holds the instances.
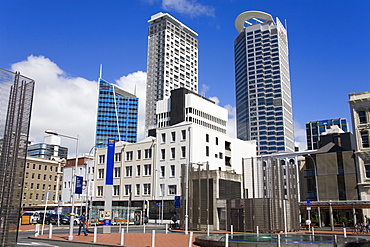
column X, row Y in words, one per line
column 70, row 236
column 317, row 189
column 87, row 175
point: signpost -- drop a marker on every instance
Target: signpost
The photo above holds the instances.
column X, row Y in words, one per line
column 308, row 221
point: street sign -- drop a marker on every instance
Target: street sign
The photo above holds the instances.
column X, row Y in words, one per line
column 308, row 203
column 79, row 184
column 177, row 201
column 308, row 208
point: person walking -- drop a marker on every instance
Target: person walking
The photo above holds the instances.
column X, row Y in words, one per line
column 82, row 224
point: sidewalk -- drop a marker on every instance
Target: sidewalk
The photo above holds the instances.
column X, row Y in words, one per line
column 161, row 239
column 114, row 239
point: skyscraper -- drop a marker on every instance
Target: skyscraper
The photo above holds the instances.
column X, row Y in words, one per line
column 263, row 97
column 315, row 128
column 172, row 62
column 117, row 114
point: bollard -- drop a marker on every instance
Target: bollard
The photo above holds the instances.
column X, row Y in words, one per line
column 232, row 230
column 227, row 240
column 122, row 236
column 166, row 228
column 95, row 233
column 191, row 239
column 278, row 240
column 207, row 230
column 120, row 227
column 313, row 231
column 37, row 230
column 144, row 228
column 50, row 231
column 153, row 238
column 258, row 230
column 345, row 232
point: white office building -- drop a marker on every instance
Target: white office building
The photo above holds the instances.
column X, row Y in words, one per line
column 172, row 61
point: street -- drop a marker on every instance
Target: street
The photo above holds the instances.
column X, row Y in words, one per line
column 23, row 239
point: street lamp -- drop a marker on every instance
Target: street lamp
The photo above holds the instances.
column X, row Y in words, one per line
column 317, row 189
column 87, row 177
column 70, row 236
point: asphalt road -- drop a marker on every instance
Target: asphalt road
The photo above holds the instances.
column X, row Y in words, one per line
column 24, row 241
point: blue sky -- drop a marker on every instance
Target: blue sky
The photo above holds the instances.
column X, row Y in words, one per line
column 68, row 40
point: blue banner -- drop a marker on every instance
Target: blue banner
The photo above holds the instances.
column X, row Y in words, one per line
column 110, row 162
column 79, row 184
column 177, row 201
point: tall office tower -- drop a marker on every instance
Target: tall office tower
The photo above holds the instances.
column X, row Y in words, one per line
column 172, row 62
column 315, row 128
column 263, row 97
column 117, row 114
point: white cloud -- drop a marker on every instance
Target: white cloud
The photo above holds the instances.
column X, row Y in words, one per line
column 189, row 7
column 231, row 123
column 65, row 105
column 215, row 99
column 136, row 81
column 204, row 89
column 300, row 136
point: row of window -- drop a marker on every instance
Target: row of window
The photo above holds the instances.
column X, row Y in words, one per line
column 147, row 171
column 173, row 153
column 129, row 156
column 140, row 189
column 173, row 136
column 39, row 176
column 37, row 187
column 36, row 196
column 51, row 168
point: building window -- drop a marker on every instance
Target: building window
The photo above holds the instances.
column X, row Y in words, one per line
column 37, row 197
column 117, row 157
column 128, row 171
column 163, row 171
column 216, row 140
column 127, row 189
column 115, row 190
column 173, row 153
column 173, row 136
column 128, row 155
column 146, row 189
column 45, row 168
column 100, row 173
column 147, row 170
column 31, row 185
column 207, row 151
column 37, row 186
column 39, row 176
column 100, row 191
column 138, row 171
column 362, row 117
column 117, row 172
column 172, row 189
column 162, row 189
column 163, row 137
column 220, row 155
column 367, row 168
column 207, row 138
column 101, row 159
column 138, row 155
column 183, row 152
column 34, row 166
column 138, row 189
column 172, row 170
column 148, row 153
column 183, row 134
column 44, row 176
column 163, row 154
column 365, row 139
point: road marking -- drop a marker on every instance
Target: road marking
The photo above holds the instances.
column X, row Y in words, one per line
column 38, row 244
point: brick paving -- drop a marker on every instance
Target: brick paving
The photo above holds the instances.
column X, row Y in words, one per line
column 145, row 239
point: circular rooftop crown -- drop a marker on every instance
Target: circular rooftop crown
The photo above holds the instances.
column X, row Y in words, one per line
column 255, row 15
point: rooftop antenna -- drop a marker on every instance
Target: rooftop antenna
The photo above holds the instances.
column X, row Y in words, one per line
column 100, row 72
column 135, row 90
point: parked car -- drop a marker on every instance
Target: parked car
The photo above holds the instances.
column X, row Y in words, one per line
column 41, row 217
column 53, row 219
column 33, row 216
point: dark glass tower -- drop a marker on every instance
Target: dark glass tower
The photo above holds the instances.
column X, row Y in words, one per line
column 117, row 114
column 262, row 80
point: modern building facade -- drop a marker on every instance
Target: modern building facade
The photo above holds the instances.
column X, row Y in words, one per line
column 48, row 149
column 262, row 80
column 117, row 114
column 360, row 113
column 315, row 128
column 172, row 62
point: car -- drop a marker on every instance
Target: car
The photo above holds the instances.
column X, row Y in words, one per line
column 33, row 216
column 40, row 218
column 53, row 219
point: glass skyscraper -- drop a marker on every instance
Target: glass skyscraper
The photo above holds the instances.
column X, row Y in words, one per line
column 315, row 128
column 117, row 114
column 262, row 80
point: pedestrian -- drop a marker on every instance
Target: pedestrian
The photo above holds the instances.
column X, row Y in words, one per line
column 82, row 224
